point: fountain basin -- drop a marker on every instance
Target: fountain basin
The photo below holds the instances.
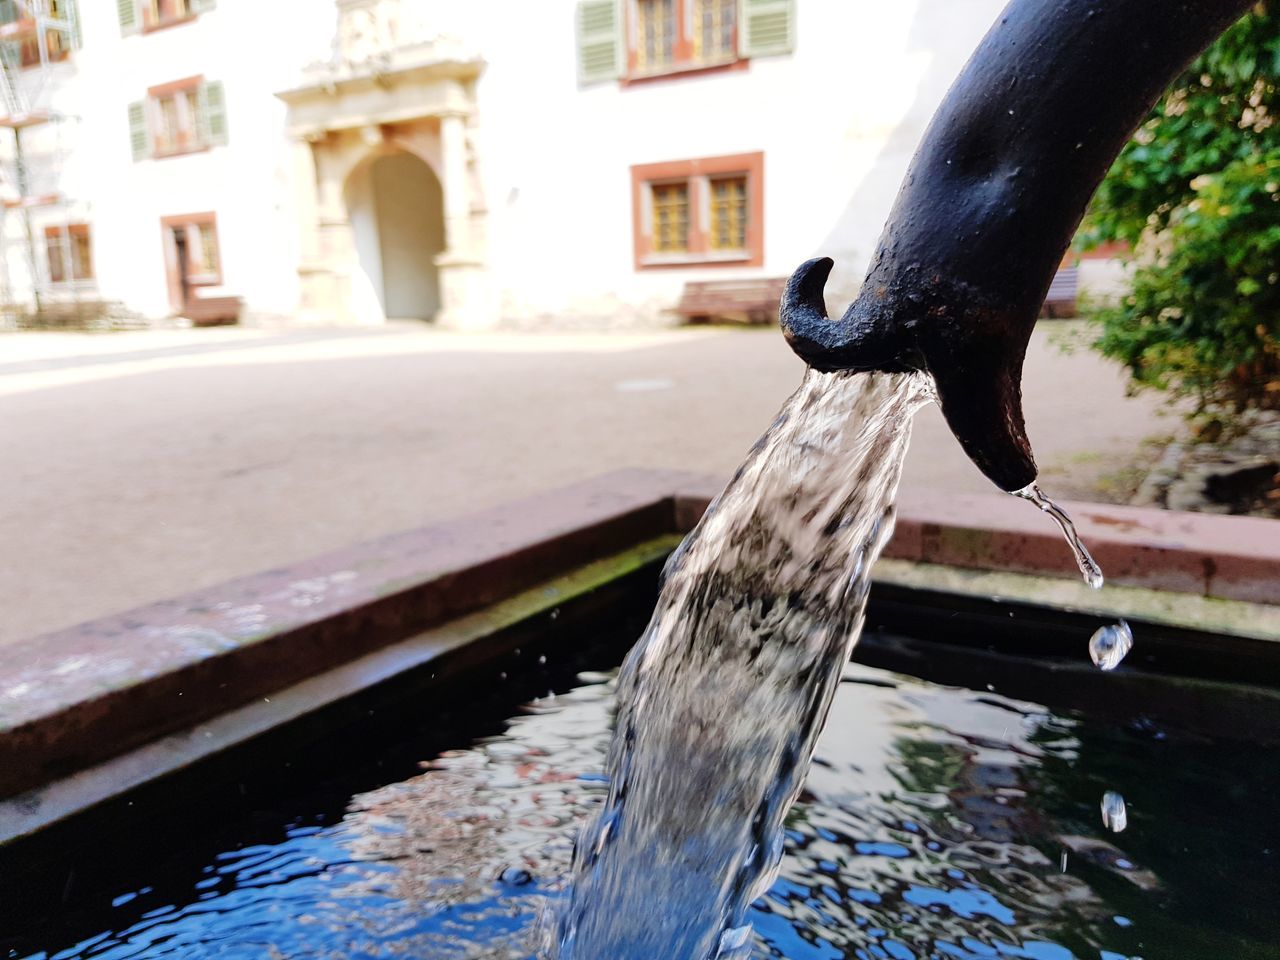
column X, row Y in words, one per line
column 236, row 710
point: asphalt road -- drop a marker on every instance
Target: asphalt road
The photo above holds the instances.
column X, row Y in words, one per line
column 143, row 465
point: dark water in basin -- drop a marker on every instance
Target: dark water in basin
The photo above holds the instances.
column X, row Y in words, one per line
column 934, row 824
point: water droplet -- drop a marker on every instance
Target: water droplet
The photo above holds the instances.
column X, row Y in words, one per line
column 1088, row 566
column 1115, row 815
column 516, row 876
column 733, row 943
column 1111, row 644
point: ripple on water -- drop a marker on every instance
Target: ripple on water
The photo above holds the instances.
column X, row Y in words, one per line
column 896, row 848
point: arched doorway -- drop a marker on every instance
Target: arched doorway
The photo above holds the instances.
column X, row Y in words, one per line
column 396, row 208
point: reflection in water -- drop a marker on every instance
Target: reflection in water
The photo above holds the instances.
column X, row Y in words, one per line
column 931, row 827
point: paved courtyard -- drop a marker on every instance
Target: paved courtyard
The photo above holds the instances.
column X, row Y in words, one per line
column 143, row 465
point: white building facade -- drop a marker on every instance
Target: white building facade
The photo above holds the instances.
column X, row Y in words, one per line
column 466, row 162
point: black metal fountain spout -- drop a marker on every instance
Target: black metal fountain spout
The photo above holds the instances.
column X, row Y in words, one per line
column 991, row 202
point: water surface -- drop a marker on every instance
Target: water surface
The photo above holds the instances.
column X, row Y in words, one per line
column 935, row 823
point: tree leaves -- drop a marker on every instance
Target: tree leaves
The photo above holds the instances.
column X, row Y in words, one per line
column 1196, row 193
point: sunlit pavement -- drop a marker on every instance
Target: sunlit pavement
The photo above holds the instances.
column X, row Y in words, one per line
column 143, row 465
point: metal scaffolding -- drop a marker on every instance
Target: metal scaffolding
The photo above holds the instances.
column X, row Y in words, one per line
column 35, row 36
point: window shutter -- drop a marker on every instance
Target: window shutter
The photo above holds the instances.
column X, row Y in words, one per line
column 127, row 11
column 202, row 6
column 599, row 41
column 768, row 27
column 139, row 135
column 212, row 122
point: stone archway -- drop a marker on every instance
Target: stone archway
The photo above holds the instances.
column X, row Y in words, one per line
column 396, row 85
column 395, row 205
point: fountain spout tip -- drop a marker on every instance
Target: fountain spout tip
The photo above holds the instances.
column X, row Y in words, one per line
column 974, row 356
column 828, row 346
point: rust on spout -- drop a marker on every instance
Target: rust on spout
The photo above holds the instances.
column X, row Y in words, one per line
column 991, row 201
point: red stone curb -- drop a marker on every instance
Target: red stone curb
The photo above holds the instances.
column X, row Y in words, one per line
column 75, row 697
column 1233, row 558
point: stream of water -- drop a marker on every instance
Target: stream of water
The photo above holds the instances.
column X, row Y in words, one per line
column 722, row 700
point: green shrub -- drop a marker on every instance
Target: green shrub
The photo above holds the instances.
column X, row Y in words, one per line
column 1197, row 194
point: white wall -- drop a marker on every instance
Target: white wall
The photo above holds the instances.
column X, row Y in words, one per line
column 247, row 183
column 837, row 121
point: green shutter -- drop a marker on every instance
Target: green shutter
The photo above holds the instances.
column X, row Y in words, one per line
column 127, row 11
column 600, row 54
column 212, row 122
column 768, row 27
column 139, row 135
column 202, row 6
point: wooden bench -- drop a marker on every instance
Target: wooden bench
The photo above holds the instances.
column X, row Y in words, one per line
column 212, row 311
column 1061, row 299
column 736, row 301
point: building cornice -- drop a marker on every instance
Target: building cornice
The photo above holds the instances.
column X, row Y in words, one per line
column 353, row 96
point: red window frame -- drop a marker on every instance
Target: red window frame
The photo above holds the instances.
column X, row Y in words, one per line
column 25, row 28
column 697, row 173
column 162, row 14
column 77, row 270
column 188, row 137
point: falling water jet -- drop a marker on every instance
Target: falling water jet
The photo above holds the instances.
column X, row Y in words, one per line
column 1084, row 560
column 721, row 702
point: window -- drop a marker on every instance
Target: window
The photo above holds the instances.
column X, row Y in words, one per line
column 728, row 213
column 715, row 30
column 162, row 13
column 206, row 260
column 670, row 217
column 180, row 117
column 176, row 124
column 699, row 212
column 147, row 15
column 69, row 252
column 634, row 40
column 673, row 35
column 654, row 50
column 37, row 31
